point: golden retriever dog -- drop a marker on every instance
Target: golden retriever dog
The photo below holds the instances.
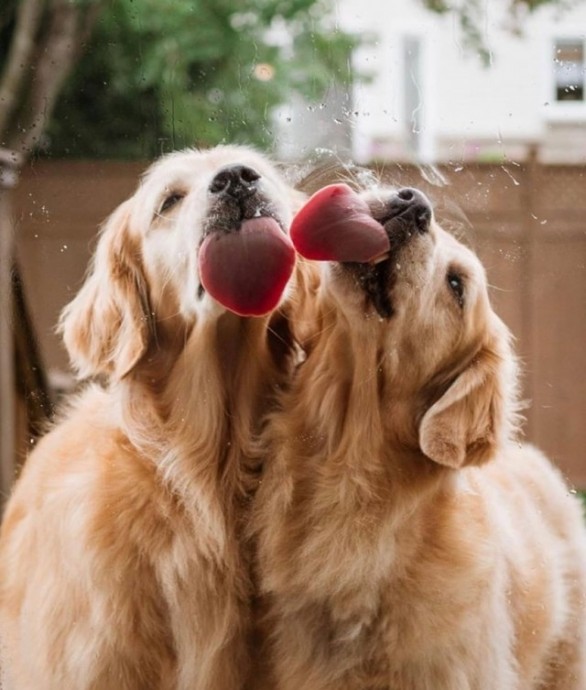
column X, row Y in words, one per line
column 406, row 540
column 121, row 560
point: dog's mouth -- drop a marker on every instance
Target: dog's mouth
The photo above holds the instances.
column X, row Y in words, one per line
column 227, row 214
column 405, row 215
column 245, row 256
column 364, row 239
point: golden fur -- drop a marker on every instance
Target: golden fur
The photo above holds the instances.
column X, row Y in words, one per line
column 406, row 539
column 121, row 563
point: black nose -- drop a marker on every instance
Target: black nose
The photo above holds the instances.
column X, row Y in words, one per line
column 237, row 181
column 412, row 206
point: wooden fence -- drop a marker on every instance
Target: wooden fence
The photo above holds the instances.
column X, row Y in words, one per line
column 527, row 222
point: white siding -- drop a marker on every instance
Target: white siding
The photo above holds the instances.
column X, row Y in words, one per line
column 467, row 110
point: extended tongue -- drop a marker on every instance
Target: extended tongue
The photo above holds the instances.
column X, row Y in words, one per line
column 247, row 270
column 336, row 225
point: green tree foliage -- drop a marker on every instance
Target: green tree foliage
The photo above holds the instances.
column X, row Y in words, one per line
column 161, row 74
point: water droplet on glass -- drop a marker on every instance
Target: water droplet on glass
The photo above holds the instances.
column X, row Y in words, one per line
column 515, row 182
column 431, row 174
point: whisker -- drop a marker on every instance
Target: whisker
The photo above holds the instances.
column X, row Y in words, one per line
column 271, row 330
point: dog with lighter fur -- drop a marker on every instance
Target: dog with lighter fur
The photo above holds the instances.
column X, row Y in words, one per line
column 121, row 562
column 406, row 539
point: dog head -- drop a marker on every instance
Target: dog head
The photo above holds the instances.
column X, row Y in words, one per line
column 446, row 373
column 146, row 277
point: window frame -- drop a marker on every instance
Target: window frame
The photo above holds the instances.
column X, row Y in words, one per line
column 555, row 110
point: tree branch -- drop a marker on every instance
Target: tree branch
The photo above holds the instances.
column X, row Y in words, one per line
column 19, row 57
column 56, row 59
column 87, row 26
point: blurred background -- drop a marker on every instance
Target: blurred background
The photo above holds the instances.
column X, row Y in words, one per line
column 481, row 103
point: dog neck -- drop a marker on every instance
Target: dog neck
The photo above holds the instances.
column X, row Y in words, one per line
column 198, row 420
column 348, row 411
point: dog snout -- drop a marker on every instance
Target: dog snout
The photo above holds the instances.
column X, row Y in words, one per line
column 236, row 181
column 411, row 205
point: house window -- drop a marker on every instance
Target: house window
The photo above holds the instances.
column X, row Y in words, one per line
column 569, row 70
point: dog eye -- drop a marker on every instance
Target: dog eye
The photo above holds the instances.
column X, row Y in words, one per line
column 456, row 284
column 170, row 201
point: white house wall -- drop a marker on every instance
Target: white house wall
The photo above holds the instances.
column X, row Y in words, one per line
column 466, row 110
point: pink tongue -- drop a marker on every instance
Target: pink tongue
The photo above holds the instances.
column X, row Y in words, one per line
column 336, row 225
column 247, row 270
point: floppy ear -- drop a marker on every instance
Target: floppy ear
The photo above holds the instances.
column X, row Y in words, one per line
column 466, row 425
column 106, row 327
